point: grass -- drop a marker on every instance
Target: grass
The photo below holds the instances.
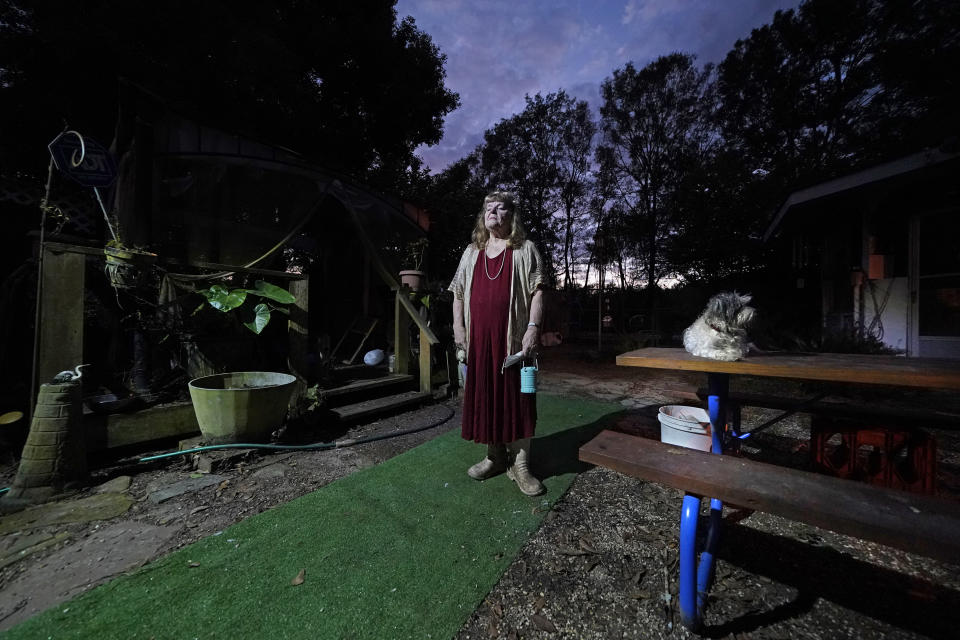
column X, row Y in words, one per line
column 406, row 549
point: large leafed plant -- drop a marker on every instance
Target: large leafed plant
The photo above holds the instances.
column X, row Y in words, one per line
column 254, row 317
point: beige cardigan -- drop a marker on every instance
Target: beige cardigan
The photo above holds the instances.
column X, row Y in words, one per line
column 526, row 278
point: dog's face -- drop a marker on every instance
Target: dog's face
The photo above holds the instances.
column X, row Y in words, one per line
column 726, row 311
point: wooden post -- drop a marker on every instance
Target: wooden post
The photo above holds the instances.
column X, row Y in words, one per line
column 401, row 335
column 298, row 336
column 61, row 314
column 425, row 373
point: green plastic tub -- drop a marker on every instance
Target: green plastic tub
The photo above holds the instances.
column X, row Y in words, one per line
column 245, row 406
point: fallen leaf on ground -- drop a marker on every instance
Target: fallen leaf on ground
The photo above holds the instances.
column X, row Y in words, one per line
column 193, row 565
column 199, row 509
column 539, row 604
column 542, row 623
column 497, row 609
column 570, row 551
column 300, row 577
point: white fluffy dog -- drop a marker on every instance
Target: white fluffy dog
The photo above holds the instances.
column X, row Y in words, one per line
column 720, row 331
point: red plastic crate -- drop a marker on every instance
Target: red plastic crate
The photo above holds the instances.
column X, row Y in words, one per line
column 896, row 458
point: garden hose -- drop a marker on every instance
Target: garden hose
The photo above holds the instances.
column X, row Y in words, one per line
column 318, row 446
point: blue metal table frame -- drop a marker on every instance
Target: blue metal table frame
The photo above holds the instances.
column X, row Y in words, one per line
column 696, row 577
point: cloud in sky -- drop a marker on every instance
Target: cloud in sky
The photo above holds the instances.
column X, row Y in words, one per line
column 499, row 51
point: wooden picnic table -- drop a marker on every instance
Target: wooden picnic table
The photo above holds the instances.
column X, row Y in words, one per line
column 695, row 579
column 929, row 373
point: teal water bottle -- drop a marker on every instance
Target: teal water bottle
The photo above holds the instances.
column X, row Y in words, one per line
column 528, row 378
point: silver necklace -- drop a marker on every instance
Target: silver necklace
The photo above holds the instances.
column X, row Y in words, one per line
column 502, row 260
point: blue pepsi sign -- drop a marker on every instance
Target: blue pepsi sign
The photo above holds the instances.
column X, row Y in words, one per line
column 88, row 163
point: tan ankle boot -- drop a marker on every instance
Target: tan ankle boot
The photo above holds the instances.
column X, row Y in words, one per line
column 519, row 469
column 494, row 464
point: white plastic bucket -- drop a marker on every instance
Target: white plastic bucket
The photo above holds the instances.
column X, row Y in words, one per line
column 685, row 427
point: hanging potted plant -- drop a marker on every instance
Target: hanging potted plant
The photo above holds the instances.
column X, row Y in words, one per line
column 412, row 276
column 127, row 266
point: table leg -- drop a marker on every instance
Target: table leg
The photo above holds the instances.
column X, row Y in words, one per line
column 718, row 389
column 695, row 578
column 705, row 567
column 687, row 587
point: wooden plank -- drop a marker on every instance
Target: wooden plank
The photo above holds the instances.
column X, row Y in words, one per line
column 879, row 413
column 425, row 362
column 74, row 248
column 372, row 253
column 380, row 405
column 832, row 367
column 217, row 266
column 98, row 251
column 298, row 339
column 156, row 423
column 366, row 385
column 916, row 523
column 61, row 313
column 401, row 336
column 420, row 321
column 371, row 323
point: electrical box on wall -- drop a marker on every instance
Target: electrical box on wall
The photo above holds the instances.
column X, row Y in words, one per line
column 880, row 266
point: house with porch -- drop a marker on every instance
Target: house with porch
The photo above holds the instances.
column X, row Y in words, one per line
column 213, row 206
column 881, row 246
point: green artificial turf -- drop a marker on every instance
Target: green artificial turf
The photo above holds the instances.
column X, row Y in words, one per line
column 405, row 549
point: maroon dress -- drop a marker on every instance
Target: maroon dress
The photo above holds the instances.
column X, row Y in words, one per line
column 494, row 410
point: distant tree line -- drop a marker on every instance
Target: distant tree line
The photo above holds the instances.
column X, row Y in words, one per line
column 678, row 175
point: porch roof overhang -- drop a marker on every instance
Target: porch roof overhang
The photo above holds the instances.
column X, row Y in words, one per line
column 866, row 178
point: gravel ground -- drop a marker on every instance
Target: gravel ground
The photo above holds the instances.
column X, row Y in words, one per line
column 603, row 565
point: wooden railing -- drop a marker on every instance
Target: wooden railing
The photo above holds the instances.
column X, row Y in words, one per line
column 404, row 313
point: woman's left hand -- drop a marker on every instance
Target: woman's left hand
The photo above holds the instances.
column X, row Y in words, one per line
column 531, row 339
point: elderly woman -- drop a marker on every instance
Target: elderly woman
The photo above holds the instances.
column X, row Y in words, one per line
column 497, row 311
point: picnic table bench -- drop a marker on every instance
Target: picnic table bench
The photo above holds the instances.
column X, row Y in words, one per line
column 908, row 521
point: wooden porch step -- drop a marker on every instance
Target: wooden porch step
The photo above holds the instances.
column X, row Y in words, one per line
column 372, row 383
column 380, row 405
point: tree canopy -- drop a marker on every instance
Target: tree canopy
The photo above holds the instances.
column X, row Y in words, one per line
column 656, row 126
column 692, row 161
column 339, row 81
column 542, row 154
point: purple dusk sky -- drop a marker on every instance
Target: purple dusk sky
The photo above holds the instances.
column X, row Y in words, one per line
column 498, row 51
